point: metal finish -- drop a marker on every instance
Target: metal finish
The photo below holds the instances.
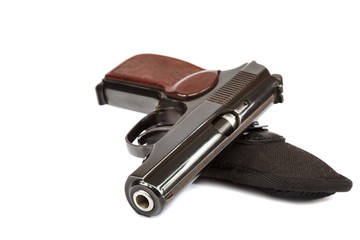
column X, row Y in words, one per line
column 179, row 139
column 143, row 201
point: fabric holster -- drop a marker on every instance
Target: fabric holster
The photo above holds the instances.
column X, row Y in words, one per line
column 263, row 160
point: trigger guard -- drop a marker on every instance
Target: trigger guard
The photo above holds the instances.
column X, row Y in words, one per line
column 152, row 135
column 136, row 150
column 150, row 129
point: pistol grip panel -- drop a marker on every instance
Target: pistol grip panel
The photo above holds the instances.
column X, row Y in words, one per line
column 177, row 78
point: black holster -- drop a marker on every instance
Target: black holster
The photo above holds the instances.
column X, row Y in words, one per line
column 262, row 159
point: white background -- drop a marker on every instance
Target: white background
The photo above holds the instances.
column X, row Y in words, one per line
column 63, row 160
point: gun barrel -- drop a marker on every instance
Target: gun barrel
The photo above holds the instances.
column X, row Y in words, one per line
column 191, row 144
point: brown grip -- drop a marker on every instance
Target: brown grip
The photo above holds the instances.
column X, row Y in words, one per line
column 177, row 78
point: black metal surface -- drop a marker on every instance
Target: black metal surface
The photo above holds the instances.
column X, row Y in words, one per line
column 192, row 140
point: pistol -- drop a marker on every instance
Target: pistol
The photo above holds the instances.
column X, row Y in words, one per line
column 192, row 115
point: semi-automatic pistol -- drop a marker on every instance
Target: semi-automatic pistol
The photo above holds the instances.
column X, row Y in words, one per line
column 192, row 115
